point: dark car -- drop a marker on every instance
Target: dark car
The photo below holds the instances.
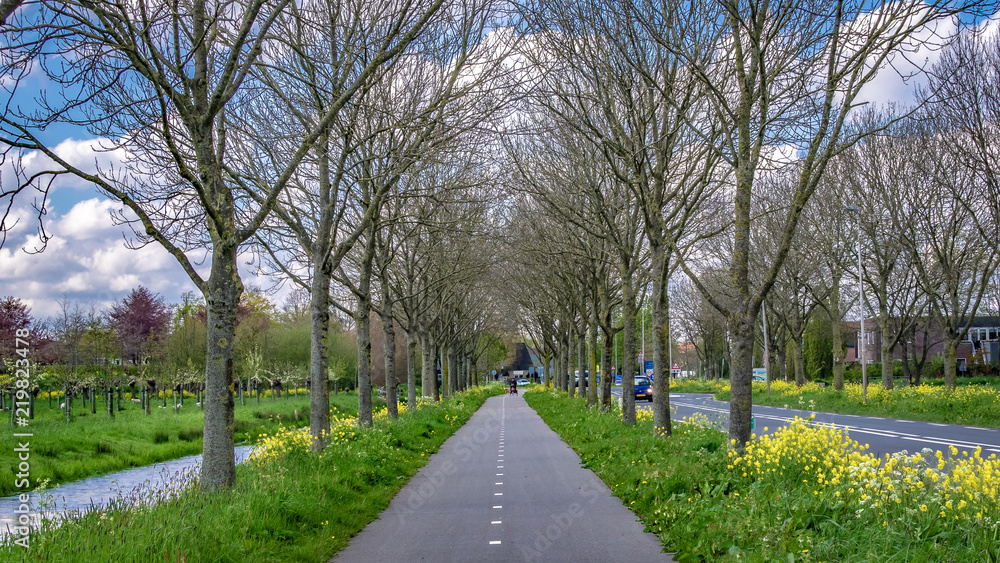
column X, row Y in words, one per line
column 643, row 388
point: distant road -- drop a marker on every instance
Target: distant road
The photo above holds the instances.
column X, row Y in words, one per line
column 883, row 435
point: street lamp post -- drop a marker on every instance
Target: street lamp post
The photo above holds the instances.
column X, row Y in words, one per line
column 861, row 298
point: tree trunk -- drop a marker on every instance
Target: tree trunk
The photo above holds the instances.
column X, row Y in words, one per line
column 741, row 333
column 443, row 359
column 887, row 362
column 885, row 352
column 661, row 346
column 609, row 376
column 906, row 364
column 218, row 468
column 562, row 366
column 428, row 375
column 411, row 375
column 389, row 359
column 837, row 336
column 629, row 346
column 592, row 359
column 797, row 360
column 363, row 322
column 950, row 369
column 319, row 334
column 782, row 352
column 581, row 360
column 453, row 376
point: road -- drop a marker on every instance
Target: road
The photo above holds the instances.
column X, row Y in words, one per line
column 505, row 487
column 883, row 435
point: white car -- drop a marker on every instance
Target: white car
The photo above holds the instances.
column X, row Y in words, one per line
column 522, row 382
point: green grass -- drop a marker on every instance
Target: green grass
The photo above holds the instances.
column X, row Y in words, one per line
column 94, row 444
column 971, row 404
column 684, row 491
column 292, row 506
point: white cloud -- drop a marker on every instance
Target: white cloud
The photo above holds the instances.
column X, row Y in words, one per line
column 89, row 155
column 87, row 261
column 898, row 81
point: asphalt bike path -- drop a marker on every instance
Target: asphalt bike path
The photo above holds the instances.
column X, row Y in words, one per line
column 505, row 487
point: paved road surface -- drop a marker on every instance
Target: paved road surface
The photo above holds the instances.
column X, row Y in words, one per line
column 883, row 435
column 504, row 488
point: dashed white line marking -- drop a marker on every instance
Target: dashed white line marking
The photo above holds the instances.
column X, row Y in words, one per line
column 499, row 467
column 498, row 494
column 497, row 506
column 498, row 483
column 496, row 522
column 495, row 542
column 499, row 455
column 499, row 474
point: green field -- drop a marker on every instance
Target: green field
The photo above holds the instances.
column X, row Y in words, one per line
column 95, row 444
column 289, row 504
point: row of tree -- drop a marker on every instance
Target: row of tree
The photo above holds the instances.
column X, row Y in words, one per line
column 454, row 166
column 344, row 144
column 142, row 341
column 715, row 148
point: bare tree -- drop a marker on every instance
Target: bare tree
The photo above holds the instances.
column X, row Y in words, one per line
column 954, row 263
column 779, row 75
column 164, row 85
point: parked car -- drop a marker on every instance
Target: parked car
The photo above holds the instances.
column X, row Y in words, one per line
column 522, row 382
column 643, row 388
column 761, row 378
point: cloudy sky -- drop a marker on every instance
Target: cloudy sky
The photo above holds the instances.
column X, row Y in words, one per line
column 87, row 262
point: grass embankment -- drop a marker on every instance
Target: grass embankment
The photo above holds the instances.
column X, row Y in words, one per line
column 802, row 494
column 289, row 504
column 94, row 444
column 974, row 405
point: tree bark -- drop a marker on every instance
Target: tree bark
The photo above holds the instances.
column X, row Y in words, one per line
column 411, row 376
column 629, row 346
column 837, row 335
column 428, row 375
column 319, row 396
column 389, row 359
column 218, row 470
column 950, row 368
column 741, row 331
column 885, row 349
column 592, row 357
column 661, row 345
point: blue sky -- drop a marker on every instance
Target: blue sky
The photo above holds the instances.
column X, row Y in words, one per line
column 87, row 261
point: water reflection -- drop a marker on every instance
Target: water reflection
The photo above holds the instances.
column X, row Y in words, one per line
column 98, row 492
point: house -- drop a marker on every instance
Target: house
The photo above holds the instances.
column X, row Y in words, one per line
column 982, row 344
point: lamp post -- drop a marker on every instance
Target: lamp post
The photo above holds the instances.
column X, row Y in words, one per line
column 861, row 299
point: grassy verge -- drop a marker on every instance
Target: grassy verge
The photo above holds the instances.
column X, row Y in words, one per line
column 802, row 494
column 974, row 405
column 94, row 444
column 289, row 504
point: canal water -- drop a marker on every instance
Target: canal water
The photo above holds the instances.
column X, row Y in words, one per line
column 96, row 493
